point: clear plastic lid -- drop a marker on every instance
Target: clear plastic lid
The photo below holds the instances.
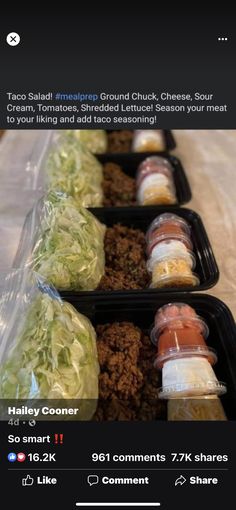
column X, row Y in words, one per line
column 170, row 249
column 193, row 328
column 192, row 389
column 154, row 164
column 143, row 174
column 179, row 315
column 161, row 237
column 185, row 351
column 155, row 161
column 164, row 220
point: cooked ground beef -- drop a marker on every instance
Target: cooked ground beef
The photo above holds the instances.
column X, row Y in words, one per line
column 128, row 382
column 120, row 141
column 118, row 188
column 125, row 259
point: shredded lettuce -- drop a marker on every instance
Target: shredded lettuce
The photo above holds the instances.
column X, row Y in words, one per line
column 69, row 244
column 94, row 139
column 54, row 357
column 71, row 168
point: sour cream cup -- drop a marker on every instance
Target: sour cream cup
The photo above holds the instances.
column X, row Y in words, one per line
column 170, row 249
column 156, row 188
column 189, row 376
column 154, row 164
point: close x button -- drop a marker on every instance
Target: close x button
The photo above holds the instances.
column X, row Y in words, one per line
column 13, row 39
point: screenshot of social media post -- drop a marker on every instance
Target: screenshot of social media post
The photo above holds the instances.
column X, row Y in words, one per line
column 117, row 265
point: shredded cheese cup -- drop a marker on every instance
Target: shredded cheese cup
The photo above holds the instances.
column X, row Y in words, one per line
column 173, row 272
column 204, row 408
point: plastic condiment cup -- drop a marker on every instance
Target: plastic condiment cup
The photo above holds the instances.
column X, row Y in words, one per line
column 185, row 279
column 170, row 218
column 172, row 272
column 169, row 236
column 145, row 140
column 154, row 164
column 168, row 226
column 198, row 408
column 178, row 315
column 156, row 189
column 189, row 376
column 178, row 331
column 170, row 249
column 185, row 351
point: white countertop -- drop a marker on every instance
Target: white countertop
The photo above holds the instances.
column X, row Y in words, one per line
column 209, row 159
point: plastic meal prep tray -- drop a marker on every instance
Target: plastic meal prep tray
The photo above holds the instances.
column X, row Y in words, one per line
column 129, row 163
column 206, row 266
column 140, row 310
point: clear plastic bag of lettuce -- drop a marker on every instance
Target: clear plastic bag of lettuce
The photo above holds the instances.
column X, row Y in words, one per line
column 64, row 242
column 71, row 168
column 95, row 140
column 47, row 349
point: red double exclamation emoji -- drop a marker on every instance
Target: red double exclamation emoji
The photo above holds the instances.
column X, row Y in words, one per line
column 58, row 438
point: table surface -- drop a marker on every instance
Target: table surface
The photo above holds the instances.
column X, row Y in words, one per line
column 209, row 159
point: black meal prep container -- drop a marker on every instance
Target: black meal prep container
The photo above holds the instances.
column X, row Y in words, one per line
column 134, row 217
column 168, row 137
column 140, row 310
column 130, row 162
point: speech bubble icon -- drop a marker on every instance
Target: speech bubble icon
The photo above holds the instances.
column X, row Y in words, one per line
column 92, row 480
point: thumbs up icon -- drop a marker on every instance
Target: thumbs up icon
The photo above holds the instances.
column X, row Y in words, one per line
column 27, row 481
